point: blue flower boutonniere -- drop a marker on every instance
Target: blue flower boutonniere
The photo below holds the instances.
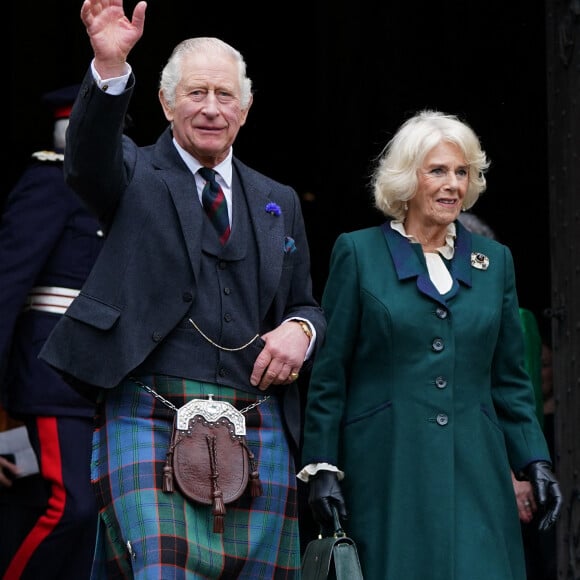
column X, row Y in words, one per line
column 273, row 209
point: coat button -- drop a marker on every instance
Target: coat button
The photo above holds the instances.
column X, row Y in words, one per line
column 157, row 337
column 441, row 312
column 437, row 344
column 442, row 419
column 440, row 383
column 228, row 317
column 227, row 290
column 222, row 372
column 222, row 265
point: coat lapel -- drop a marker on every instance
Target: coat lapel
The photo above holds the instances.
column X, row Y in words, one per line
column 461, row 263
column 410, row 263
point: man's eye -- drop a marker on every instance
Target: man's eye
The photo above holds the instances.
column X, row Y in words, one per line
column 198, row 94
column 225, row 97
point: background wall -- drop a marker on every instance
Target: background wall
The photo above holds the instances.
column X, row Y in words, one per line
column 331, row 85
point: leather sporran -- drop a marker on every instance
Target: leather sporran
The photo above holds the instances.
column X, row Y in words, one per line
column 208, row 458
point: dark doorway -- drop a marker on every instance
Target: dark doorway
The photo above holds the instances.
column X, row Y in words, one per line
column 332, row 82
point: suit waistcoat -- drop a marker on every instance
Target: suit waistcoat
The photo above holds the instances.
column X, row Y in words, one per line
column 225, row 311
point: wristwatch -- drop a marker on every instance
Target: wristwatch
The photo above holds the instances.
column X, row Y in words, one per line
column 305, row 328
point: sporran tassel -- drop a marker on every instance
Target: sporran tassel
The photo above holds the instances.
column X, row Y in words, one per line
column 255, row 483
column 219, row 510
column 168, row 474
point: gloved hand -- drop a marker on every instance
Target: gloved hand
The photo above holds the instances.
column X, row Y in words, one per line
column 325, row 492
column 546, row 491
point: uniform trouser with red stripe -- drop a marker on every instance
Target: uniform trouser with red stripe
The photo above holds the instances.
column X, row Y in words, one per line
column 61, row 542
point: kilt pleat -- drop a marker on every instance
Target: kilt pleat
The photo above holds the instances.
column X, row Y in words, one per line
column 145, row 533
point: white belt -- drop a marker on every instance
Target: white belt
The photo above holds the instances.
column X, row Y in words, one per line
column 50, row 299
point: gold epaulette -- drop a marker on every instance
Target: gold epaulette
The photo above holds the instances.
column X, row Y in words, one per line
column 48, row 156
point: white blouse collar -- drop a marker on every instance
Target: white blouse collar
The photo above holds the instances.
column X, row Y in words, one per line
column 446, row 251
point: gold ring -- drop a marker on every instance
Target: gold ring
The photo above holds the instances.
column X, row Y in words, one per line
column 293, row 376
column 527, row 503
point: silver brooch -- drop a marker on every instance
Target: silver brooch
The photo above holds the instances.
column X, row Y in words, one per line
column 479, row 261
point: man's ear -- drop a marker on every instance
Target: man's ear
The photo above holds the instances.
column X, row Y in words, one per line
column 167, row 110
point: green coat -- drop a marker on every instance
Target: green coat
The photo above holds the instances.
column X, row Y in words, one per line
column 533, row 358
column 424, row 402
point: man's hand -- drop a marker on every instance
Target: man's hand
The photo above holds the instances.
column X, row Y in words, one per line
column 282, row 356
column 111, row 33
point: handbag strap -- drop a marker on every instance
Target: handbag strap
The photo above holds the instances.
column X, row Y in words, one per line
column 338, row 530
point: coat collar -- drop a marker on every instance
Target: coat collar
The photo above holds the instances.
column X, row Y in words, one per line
column 410, row 263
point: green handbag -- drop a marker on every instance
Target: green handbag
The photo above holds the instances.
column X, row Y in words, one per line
column 332, row 557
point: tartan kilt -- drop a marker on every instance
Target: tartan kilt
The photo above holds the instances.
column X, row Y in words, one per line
column 145, row 533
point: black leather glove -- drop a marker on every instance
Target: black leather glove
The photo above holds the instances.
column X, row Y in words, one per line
column 324, row 492
column 546, row 491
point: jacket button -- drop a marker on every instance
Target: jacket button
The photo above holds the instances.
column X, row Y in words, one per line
column 187, row 296
column 440, row 383
column 228, row 317
column 437, row 344
column 442, row 419
column 157, row 336
column 441, row 312
column 227, row 290
column 222, row 372
column 222, row 264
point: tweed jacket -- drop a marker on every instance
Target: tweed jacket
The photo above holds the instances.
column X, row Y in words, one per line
column 144, row 281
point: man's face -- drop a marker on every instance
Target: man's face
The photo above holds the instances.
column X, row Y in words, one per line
column 207, row 114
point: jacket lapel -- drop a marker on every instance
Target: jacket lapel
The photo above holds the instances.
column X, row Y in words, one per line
column 181, row 185
column 269, row 232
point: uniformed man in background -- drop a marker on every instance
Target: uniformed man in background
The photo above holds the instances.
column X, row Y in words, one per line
column 48, row 244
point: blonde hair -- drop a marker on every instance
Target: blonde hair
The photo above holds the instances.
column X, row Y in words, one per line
column 394, row 180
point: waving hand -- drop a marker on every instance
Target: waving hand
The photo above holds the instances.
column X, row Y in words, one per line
column 111, row 33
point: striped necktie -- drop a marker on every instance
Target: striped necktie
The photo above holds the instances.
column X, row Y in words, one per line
column 214, row 203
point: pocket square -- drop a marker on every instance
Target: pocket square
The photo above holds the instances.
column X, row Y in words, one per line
column 289, row 245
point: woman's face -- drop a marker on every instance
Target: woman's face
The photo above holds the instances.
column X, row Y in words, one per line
column 442, row 183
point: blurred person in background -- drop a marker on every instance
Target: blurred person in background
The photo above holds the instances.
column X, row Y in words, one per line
column 48, row 245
